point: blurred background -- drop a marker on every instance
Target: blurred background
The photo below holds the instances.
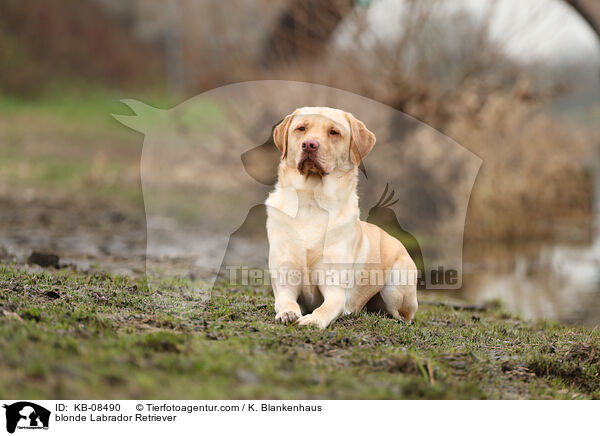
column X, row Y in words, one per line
column 515, row 82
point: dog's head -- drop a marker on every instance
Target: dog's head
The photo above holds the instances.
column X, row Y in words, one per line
column 321, row 140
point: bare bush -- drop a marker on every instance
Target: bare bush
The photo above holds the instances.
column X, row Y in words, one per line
column 439, row 67
column 534, row 176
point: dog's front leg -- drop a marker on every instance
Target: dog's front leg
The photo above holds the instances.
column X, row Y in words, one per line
column 286, row 303
column 332, row 307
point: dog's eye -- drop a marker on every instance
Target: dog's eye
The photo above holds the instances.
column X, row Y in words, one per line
column 301, row 128
column 334, row 132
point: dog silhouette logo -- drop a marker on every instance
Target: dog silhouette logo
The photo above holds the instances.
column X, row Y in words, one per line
column 209, row 163
column 26, row 415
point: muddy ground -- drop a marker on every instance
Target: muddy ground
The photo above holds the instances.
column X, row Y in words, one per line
column 90, row 327
column 65, row 334
column 85, row 232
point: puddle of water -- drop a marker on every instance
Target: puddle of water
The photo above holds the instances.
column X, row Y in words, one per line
column 559, row 281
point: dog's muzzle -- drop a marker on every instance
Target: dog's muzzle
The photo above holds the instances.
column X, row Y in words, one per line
column 309, row 164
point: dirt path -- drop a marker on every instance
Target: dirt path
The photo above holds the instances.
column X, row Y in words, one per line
column 81, row 230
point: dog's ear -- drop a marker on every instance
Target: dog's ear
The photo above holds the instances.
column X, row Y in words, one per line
column 280, row 134
column 362, row 139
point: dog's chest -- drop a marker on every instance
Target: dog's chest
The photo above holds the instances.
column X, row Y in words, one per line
column 311, row 223
column 308, row 228
column 296, row 217
column 304, row 230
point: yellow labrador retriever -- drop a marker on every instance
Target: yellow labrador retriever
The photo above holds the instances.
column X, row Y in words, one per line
column 324, row 261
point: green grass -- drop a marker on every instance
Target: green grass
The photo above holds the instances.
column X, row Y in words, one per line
column 68, row 140
column 79, row 105
column 68, row 335
column 57, row 141
column 85, row 106
column 20, row 170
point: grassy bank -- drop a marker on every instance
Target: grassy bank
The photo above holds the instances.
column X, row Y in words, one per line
column 68, row 335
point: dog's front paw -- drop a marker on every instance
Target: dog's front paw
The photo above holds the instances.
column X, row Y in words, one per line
column 287, row 317
column 313, row 320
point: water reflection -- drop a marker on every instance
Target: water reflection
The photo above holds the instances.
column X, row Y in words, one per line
column 553, row 282
column 558, row 281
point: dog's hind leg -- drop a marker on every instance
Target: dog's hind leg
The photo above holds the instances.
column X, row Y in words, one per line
column 398, row 297
column 400, row 301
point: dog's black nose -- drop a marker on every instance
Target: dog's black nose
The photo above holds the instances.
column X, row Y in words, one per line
column 310, row 145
